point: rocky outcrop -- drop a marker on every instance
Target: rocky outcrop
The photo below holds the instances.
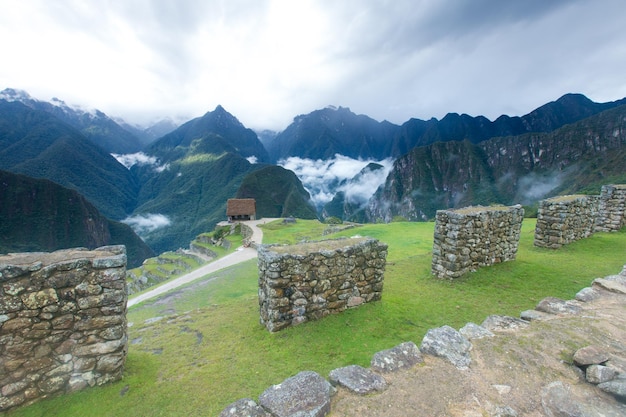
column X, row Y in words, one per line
column 62, row 322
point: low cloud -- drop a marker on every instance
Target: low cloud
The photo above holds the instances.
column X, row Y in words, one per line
column 252, row 159
column 324, row 178
column 140, row 159
column 143, row 224
column 534, row 187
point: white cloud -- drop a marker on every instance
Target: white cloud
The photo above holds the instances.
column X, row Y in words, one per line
column 324, row 178
column 252, row 159
column 143, row 224
column 139, row 158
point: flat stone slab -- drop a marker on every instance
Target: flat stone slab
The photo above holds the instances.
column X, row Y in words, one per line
column 553, row 305
column 588, row 294
column 305, row 395
column 497, row 323
column 403, row 356
column 445, row 342
column 534, row 315
column 614, row 286
column 245, row 407
column 474, row 331
column 590, row 355
column 358, row 379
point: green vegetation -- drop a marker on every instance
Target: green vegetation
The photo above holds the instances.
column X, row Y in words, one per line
column 210, row 350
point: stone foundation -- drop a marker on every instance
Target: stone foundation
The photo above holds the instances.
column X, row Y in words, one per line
column 562, row 220
column 298, row 283
column 472, row 237
column 62, row 322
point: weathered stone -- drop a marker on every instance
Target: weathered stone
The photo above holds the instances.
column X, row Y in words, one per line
column 500, row 323
column 535, row 315
column 588, row 294
column 590, row 355
column 557, row 401
column 110, row 262
column 245, row 407
column 357, row 379
column 597, row 374
column 609, row 285
column 403, row 356
column 40, row 299
column 447, row 343
column 305, row 395
column 553, row 305
column 100, row 348
column 616, row 387
column 474, row 331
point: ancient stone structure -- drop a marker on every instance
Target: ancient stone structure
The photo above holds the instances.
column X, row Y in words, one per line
column 471, row 237
column 611, row 208
column 308, row 281
column 562, row 220
column 62, row 322
column 565, row 219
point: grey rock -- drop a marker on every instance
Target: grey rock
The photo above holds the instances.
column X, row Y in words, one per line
column 616, row 387
column 588, row 294
column 357, row 379
column 534, row 315
column 306, row 394
column 495, row 323
column 245, row 407
column 403, row 356
column 505, row 411
column 474, row 331
column 558, row 401
column 553, row 305
column 597, row 374
column 610, row 285
column 447, row 343
column 620, row 278
column 590, row 355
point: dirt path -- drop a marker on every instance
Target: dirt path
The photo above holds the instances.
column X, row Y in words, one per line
column 240, row 255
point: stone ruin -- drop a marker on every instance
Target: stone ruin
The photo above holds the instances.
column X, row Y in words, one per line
column 308, row 281
column 565, row 219
column 62, row 322
column 468, row 238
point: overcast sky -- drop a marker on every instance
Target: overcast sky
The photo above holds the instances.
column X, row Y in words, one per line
column 268, row 61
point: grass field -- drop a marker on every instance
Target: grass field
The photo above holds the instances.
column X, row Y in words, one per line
column 208, row 349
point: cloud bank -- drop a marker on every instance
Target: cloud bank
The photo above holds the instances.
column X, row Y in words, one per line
column 324, row 178
column 144, row 224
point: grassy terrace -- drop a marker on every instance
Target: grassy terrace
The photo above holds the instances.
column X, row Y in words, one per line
column 209, row 349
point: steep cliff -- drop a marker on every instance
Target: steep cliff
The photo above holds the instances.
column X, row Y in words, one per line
column 578, row 157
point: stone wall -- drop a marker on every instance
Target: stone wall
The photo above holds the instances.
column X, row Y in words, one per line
column 612, row 208
column 471, row 237
column 308, row 281
column 565, row 219
column 62, row 322
column 562, row 220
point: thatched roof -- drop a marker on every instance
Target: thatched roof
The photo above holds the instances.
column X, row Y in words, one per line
column 240, row 206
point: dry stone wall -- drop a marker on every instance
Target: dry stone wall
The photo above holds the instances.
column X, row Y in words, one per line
column 612, row 208
column 565, row 219
column 468, row 238
column 562, row 220
column 298, row 283
column 62, row 322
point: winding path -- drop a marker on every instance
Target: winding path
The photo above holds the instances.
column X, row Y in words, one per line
column 240, row 255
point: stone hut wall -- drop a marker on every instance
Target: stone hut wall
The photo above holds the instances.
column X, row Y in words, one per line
column 472, row 237
column 612, row 208
column 62, row 322
column 562, row 220
column 298, row 283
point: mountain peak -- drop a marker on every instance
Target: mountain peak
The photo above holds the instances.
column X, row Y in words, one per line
column 13, row 94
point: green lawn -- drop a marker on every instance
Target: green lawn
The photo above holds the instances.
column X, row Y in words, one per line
column 209, row 349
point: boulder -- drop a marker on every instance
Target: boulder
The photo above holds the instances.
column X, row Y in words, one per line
column 553, row 305
column 616, row 387
column 498, row 323
column 598, row 374
column 558, row 401
column 445, row 342
column 590, row 355
column 245, row 407
column 474, row 331
column 357, row 379
column 403, row 356
column 306, row 394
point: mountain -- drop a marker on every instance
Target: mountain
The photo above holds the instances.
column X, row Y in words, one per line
column 95, row 125
column 37, row 144
column 577, row 157
column 147, row 135
column 39, row 215
column 350, row 201
column 201, row 165
column 323, row 133
column 226, row 133
column 278, row 193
